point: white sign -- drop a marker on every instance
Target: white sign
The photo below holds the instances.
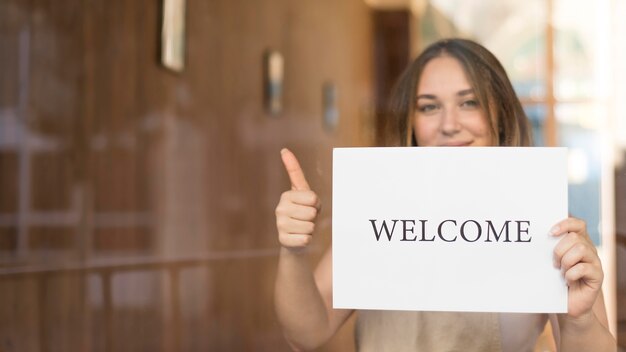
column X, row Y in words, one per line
column 448, row 229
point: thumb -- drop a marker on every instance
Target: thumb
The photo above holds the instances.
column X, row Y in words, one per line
column 296, row 176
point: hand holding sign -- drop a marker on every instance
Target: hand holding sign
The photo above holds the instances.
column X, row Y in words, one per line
column 297, row 209
column 578, row 260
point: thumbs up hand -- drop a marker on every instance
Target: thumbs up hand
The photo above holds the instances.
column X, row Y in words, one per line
column 297, row 209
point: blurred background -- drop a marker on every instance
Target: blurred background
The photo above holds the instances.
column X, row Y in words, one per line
column 139, row 149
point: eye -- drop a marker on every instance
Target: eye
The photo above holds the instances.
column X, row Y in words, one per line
column 470, row 103
column 426, row 108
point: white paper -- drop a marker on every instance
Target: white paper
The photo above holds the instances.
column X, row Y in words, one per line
column 525, row 186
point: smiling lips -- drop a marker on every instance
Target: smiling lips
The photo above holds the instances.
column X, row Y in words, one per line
column 456, row 144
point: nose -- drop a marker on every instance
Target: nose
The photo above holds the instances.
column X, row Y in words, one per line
column 450, row 122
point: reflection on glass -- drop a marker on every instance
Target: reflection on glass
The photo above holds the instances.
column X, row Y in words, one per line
column 537, row 115
column 516, row 34
column 581, row 52
column 584, row 162
column 523, row 57
column 573, row 79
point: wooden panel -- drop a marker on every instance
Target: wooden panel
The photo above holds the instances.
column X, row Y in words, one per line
column 8, row 239
column 51, row 181
column 19, row 314
column 8, row 181
column 391, row 56
column 137, row 204
column 51, row 238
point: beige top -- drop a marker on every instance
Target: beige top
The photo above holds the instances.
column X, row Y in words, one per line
column 446, row 331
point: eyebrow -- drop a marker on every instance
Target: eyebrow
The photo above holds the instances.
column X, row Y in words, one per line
column 460, row 93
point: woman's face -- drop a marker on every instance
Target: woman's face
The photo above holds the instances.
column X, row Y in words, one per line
column 447, row 112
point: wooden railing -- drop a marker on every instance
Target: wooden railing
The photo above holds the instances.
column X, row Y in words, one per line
column 106, row 269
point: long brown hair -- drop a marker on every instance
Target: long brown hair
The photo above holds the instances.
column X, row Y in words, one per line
column 507, row 120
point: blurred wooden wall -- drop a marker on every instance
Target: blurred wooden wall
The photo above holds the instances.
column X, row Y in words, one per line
column 136, row 204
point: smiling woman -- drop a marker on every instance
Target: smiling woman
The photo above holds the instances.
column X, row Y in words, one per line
column 447, row 112
column 464, row 85
column 455, row 93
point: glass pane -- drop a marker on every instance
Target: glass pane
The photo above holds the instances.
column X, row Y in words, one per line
column 515, row 33
column 578, row 132
column 581, row 51
column 537, row 116
column 618, row 69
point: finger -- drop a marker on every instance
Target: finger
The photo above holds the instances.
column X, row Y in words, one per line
column 570, row 224
column 295, row 240
column 302, row 212
column 296, row 176
column 583, row 271
column 578, row 253
column 307, row 198
column 565, row 243
column 293, row 226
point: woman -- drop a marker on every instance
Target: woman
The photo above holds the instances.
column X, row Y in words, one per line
column 455, row 93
